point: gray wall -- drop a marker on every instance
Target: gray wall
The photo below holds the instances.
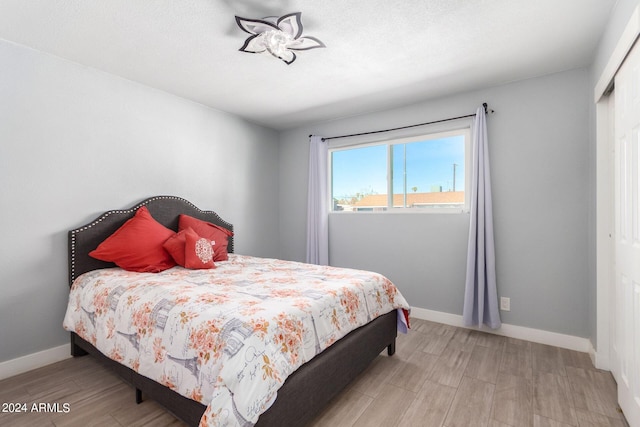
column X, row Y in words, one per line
column 539, row 140
column 75, row 142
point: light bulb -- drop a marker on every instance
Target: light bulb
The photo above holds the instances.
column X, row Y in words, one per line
column 277, row 41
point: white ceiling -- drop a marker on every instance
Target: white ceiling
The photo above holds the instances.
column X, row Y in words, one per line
column 380, row 53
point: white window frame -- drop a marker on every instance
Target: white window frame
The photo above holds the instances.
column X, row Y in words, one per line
column 433, row 133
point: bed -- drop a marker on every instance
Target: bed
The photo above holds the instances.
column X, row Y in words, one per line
column 304, row 392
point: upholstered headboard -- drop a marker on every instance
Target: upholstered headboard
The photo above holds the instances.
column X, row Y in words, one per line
column 164, row 209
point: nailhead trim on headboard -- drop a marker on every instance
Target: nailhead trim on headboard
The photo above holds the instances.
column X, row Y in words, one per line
column 74, row 232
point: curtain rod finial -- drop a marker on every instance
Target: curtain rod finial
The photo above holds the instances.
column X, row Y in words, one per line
column 487, row 110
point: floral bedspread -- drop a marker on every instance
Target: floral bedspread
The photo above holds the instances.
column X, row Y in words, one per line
column 226, row 337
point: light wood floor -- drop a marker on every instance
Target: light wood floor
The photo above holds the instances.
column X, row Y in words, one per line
column 439, row 376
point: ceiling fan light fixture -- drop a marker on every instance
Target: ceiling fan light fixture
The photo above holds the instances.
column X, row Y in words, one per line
column 278, row 37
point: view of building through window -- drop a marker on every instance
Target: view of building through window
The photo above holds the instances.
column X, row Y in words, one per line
column 422, row 172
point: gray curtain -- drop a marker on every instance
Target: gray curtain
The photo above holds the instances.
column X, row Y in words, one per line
column 318, row 197
column 481, row 296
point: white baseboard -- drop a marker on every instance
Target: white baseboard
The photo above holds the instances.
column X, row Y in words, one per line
column 528, row 334
column 593, row 354
column 33, row 361
column 600, row 359
column 56, row 354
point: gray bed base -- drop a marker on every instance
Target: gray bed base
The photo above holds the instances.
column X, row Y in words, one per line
column 303, row 395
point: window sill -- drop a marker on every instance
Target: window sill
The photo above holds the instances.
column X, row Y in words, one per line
column 436, row 211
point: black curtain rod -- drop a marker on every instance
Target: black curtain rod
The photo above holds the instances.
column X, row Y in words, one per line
column 486, row 111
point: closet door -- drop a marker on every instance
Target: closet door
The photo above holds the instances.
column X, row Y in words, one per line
column 627, row 237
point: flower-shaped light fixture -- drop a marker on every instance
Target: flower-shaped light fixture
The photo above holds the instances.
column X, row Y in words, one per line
column 277, row 36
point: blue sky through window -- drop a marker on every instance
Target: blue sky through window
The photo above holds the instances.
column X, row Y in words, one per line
column 429, row 166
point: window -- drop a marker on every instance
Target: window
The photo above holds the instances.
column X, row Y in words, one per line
column 422, row 173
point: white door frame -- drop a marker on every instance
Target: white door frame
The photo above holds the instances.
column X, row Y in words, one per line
column 604, row 189
column 604, row 229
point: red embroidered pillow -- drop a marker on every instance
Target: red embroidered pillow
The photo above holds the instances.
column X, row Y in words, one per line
column 219, row 236
column 137, row 245
column 198, row 252
column 190, row 250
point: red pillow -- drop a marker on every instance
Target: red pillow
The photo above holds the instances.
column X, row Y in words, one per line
column 175, row 246
column 137, row 245
column 198, row 252
column 190, row 250
column 219, row 236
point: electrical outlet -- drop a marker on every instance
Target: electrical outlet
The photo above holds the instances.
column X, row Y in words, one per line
column 505, row 304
